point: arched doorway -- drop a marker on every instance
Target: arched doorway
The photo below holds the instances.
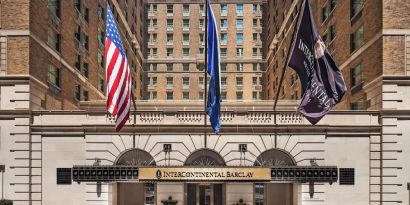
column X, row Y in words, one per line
column 134, row 193
column 271, row 193
column 204, row 193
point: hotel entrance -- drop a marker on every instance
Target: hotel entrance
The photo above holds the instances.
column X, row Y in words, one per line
column 206, row 180
column 204, row 194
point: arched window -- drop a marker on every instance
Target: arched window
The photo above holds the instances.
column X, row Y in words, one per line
column 135, row 157
column 205, row 157
column 275, row 157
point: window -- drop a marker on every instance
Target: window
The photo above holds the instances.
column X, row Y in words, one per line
column 201, row 95
column 224, row 9
column 332, row 32
column 223, row 52
column 185, row 95
column 356, row 74
column 201, row 50
column 170, row 38
column 355, row 7
column 223, row 67
column 201, row 81
column 153, row 38
column 185, row 67
column 254, row 52
column 223, row 95
column 154, row 67
column 201, row 8
column 185, row 23
column 255, row 67
column 224, row 23
column 185, row 81
column 201, row 67
column 185, row 38
column 53, row 39
column 100, row 37
column 153, row 52
column 239, row 9
column 239, row 23
column 86, row 14
column 239, row 67
column 254, row 8
column 254, row 80
column 54, row 7
column 154, row 8
column 185, row 52
column 154, row 81
column 154, row 23
column 332, row 4
column 239, row 95
column 77, row 4
column 84, row 40
column 239, row 81
column 201, row 23
column 100, row 84
column 170, row 67
column 170, row 52
column 325, row 13
column 254, row 95
column 359, row 104
column 255, row 22
column 255, row 37
column 64, row 176
column 77, row 63
column 259, row 194
column 239, row 52
column 201, row 38
column 223, row 81
column 239, row 38
column 53, row 75
column 170, row 24
column 185, row 9
column 85, row 69
column 170, row 9
column 85, row 95
column 170, row 81
column 153, row 95
column 77, row 92
column 224, row 38
column 357, row 39
column 170, row 95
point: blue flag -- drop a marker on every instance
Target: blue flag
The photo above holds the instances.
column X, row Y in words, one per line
column 213, row 68
column 322, row 82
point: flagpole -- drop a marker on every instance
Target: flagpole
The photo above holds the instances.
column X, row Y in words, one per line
column 285, row 65
column 135, row 115
column 206, row 73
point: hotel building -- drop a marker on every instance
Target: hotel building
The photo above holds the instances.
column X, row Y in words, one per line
column 176, row 42
column 68, row 153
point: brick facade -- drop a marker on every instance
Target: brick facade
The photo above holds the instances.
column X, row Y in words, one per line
column 25, row 26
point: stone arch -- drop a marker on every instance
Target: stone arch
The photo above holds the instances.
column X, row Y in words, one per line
column 205, row 157
column 135, row 157
column 275, row 157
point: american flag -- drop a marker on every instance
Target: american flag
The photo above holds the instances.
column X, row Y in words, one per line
column 118, row 74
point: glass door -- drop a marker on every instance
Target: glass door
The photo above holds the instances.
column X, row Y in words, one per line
column 205, row 194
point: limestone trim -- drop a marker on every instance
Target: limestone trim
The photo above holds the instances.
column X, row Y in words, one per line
column 14, row 32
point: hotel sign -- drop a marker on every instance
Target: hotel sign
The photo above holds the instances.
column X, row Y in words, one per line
column 204, row 174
